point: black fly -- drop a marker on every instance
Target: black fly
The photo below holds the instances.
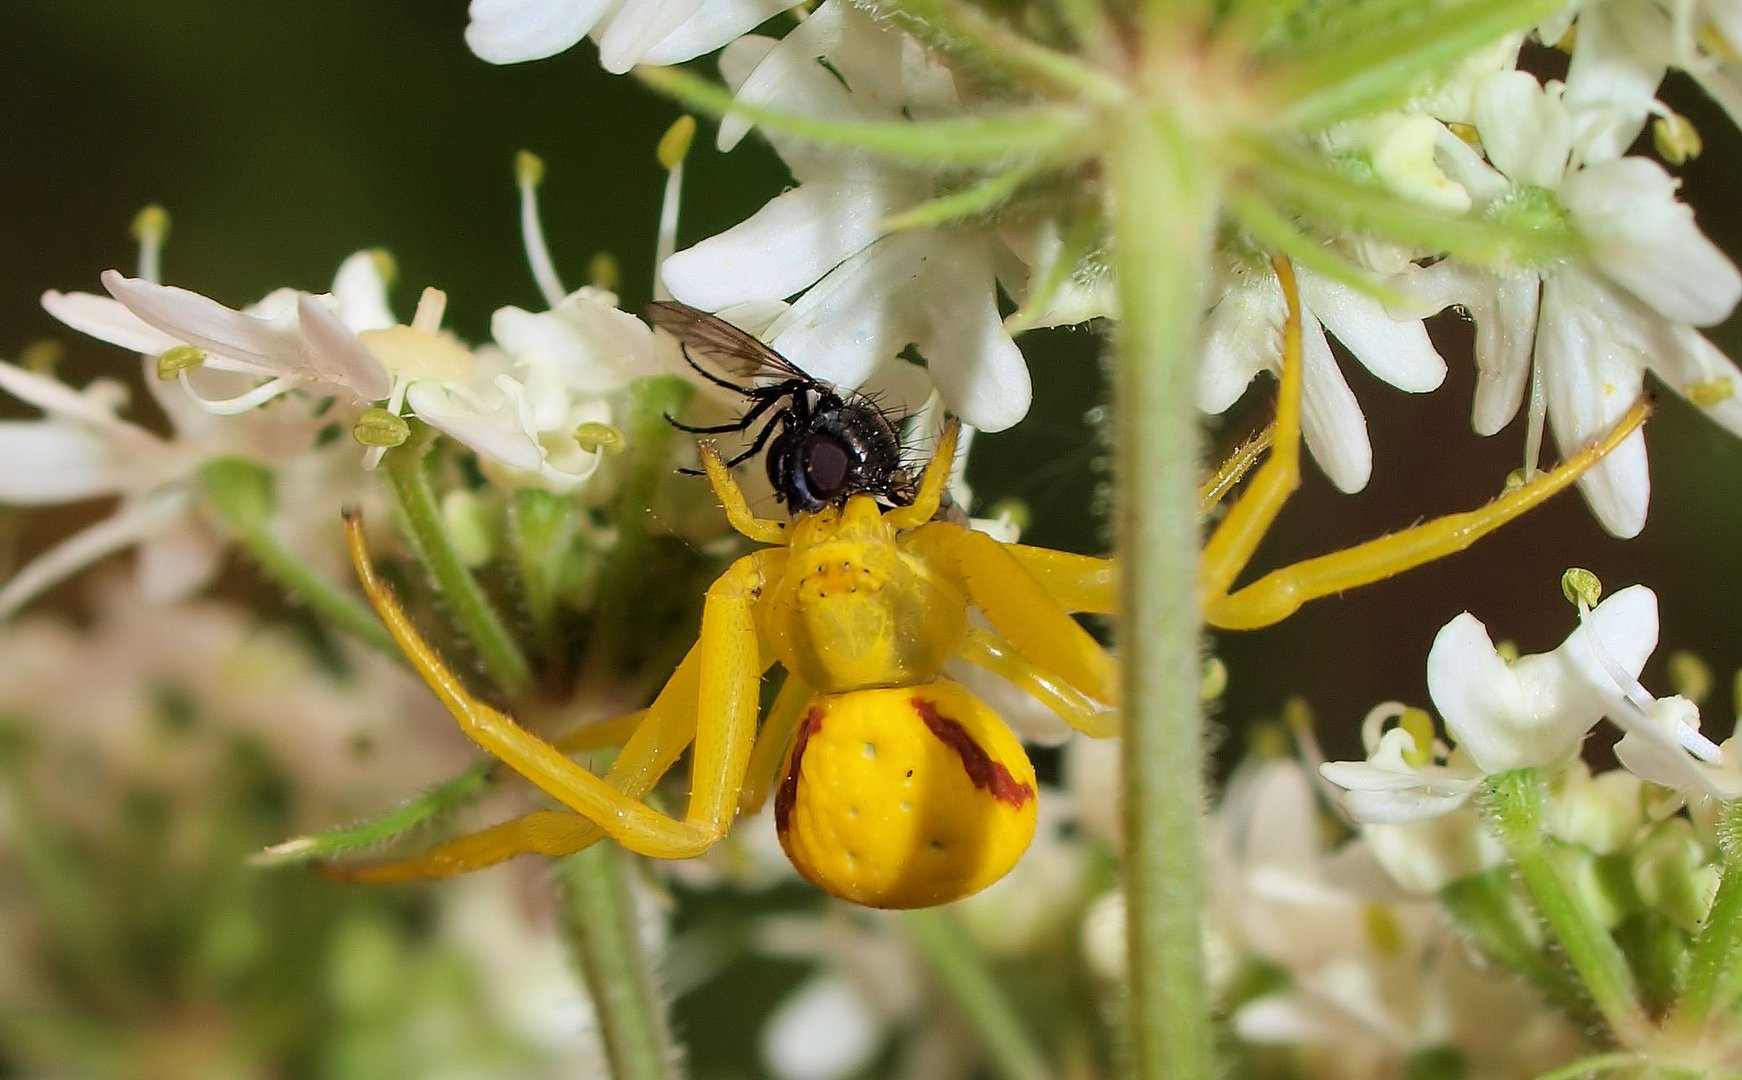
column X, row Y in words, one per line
column 831, row 444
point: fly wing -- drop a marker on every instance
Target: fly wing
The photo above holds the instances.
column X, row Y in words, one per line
column 715, row 342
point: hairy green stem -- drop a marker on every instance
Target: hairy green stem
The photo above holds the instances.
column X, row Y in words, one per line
column 648, row 437
column 432, row 805
column 959, row 966
column 600, row 923
column 465, row 599
column 1715, row 952
column 241, row 494
column 1162, row 209
column 1514, row 805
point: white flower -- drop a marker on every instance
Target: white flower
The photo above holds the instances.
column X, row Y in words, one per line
column 1535, row 711
column 1408, row 776
column 289, row 339
column 81, row 449
column 867, row 295
column 1240, row 340
column 630, row 32
column 1594, row 324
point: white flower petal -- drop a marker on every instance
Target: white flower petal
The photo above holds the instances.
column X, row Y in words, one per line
column 493, row 429
column 509, row 31
column 1648, row 241
column 713, row 25
column 107, row 319
column 591, row 346
column 361, row 291
column 1332, row 423
column 1396, row 350
column 1486, row 708
column 1592, row 374
column 178, row 561
column 1524, row 127
column 788, row 244
column 51, row 462
column 1687, row 359
column 638, row 27
column 1654, row 749
column 94, row 406
column 788, row 75
column 127, row 526
column 266, row 343
column 1614, row 74
column 909, row 289
column 826, row 1029
column 1240, row 340
column 335, row 357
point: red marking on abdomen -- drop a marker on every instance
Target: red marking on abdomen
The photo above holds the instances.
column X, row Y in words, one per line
column 987, row 775
column 788, row 793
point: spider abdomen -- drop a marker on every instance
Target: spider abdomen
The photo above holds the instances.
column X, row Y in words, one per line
column 906, row 796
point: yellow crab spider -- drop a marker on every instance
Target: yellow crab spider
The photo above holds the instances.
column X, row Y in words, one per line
column 896, row 787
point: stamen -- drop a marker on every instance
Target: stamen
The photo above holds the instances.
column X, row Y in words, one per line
column 674, row 145
column 253, row 399
column 151, row 229
column 431, row 306
column 179, row 360
column 529, row 173
column 1534, row 420
column 395, row 402
column 1373, row 725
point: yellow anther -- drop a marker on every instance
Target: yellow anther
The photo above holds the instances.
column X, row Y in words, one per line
column 528, row 169
column 675, row 143
column 602, row 271
column 1420, row 727
column 385, row 264
column 1690, row 676
column 379, row 427
column 1710, row 392
column 42, row 356
column 1466, row 132
column 1270, row 742
column 1013, row 511
column 1713, row 41
column 1384, row 932
column 1507, row 651
column 1514, row 480
column 1579, row 585
column 596, row 438
column 150, row 225
column 1213, row 683
column 182, row 358
column 1298, row 715
column 1568, row 39
column 1676, row 138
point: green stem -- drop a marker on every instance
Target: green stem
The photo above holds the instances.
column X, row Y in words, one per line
column 1486, row 907
column 1714, row 953
column 600, row 923
column 241, row 495
column 1049, row 133
column 624, row 579
column 1515, row 807
column 465, row 599
column 959, row 966
column 1163, row 209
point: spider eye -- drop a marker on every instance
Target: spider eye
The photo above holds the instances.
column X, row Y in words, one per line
column 826, row 465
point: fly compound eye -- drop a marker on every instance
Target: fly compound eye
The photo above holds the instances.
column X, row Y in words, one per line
column 826, row 466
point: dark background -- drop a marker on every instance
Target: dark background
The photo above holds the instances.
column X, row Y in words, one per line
column 283, row 137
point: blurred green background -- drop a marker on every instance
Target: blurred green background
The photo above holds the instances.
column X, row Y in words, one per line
column 283, row 137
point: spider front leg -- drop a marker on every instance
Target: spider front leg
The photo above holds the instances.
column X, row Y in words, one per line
column 1281, row 593
column 728, row 670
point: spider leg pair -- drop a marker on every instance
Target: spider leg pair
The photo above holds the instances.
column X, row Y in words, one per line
column 1027, row 592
